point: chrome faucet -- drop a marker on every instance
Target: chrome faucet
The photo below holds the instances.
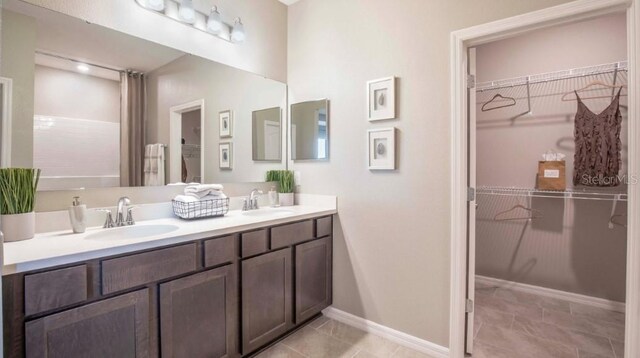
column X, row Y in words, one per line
column 124, row 203
column 251, row 203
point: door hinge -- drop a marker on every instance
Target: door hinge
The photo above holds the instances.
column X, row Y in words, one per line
column 471, row 81
column 469, row 306
column 471, row 194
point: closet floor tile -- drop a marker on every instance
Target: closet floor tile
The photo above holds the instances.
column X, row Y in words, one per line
column 511, row 323
column 526, row 345
column 597, row 313
column 532, row 299
column 500, row 304
column 493, row 317
column 585, row 324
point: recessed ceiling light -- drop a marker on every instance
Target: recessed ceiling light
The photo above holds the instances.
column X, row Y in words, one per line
column 83, row 68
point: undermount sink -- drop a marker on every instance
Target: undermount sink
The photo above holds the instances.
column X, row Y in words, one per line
column 132, row 232
column 268, row 212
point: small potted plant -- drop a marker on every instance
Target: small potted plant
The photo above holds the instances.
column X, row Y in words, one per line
column 17, row 200
column 285, row 185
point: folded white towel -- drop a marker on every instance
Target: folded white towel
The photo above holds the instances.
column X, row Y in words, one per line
column 194, row 199
column 205, row 194
column 202, row 187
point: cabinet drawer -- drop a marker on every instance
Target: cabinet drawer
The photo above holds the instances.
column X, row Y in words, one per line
column 54, row 289
column 135, row 270
column 220, row 250
column 324, row 226
column 287, row 235
column 254, row 242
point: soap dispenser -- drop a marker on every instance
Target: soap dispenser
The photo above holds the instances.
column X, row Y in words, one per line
column 273, row 197
column 78, row 216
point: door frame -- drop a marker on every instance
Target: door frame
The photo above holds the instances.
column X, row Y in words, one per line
column 7, row 103
column 175, row 142
column 460, row 41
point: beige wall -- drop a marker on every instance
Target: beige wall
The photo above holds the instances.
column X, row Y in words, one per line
column 265, row 21
column 17, row 63
column 571, row 248
column 191, row 78
column 391, row 253
column 69, row 94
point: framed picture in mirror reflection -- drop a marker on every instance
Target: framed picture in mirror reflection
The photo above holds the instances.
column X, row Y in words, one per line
column 226, row 155
column 226, row 124
column 382, row 148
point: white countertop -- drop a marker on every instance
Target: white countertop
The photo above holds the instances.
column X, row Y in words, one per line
column 62, row 247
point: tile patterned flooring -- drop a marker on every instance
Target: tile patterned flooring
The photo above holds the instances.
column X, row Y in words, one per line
column 324, row 338
column 508, row 324
column 511, row 324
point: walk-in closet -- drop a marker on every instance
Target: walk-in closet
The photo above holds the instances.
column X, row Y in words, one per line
column 551, row 190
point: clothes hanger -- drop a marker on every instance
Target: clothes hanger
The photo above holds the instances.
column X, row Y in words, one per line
column 533, row 214
column 612, row 221
column 565, row 97
column 498, row 96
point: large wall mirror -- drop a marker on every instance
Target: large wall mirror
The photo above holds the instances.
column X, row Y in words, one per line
column 88, row 103
column 310, row 130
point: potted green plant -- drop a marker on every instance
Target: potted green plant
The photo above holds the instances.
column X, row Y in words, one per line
column 286, row 185
column 17, row 200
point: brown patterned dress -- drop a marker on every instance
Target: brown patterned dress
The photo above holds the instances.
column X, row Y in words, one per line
column 598, row 153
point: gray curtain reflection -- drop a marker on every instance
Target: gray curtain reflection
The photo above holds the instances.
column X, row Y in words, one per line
column 132, row 128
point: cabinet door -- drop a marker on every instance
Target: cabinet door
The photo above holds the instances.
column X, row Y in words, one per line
column 116, row 327
column 266, row 298
column 313, row 278
column 199, row 315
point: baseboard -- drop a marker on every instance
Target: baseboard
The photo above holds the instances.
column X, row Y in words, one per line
column 549, row 292
column 391, row 334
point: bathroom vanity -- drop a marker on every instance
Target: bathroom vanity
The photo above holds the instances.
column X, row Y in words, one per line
column 194, row 294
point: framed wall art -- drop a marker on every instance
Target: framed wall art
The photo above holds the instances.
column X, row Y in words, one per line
column 226, row 124
column 382, row 148
column 226, row 155
column 381, row 99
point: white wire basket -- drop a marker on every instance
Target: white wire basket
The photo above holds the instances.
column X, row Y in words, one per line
column 201, row 209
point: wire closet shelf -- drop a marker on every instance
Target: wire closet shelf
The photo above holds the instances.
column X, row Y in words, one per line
column 609, row 68
column 578, row 194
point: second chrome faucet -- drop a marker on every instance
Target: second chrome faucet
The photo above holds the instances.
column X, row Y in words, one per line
column 251, row 203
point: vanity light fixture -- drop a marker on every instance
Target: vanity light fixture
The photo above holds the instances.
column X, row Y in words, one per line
column 237, row 34
column 156, row 5
column 214, row 22
column 184, row 12
column 82, row 68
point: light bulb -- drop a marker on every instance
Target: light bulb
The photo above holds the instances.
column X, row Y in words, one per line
column 83, row 68
column 186, row 12
column 237, row 34
column 157, row 5
column 214, row 22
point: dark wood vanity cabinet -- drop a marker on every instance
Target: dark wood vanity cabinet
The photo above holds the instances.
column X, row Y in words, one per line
column 312, row 278
column 115, row 327
column 221, row 297
column 266, row 298
column 199, row 315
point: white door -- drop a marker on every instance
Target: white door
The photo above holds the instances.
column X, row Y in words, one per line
column 271, row 140
column 471, row 235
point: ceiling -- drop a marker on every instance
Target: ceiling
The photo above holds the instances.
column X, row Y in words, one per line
column 288, row 2
column 73, row 38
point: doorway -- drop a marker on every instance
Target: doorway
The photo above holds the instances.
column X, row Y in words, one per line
column 464, row 199
column 185, row 143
